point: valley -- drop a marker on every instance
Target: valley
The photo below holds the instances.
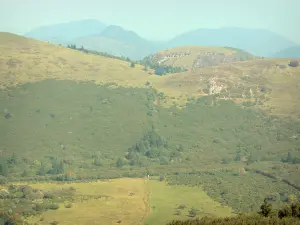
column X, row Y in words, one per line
column 139, row 148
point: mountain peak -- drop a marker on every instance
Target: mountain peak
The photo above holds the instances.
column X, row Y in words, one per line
column 117, row 32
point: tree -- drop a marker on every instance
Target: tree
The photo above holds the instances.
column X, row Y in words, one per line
column 286, row 211
column 3, row 168
column 119, row 163
column 266, row 208
column 57, row 167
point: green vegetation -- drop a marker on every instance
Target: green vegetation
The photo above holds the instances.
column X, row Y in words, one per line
column 20, row 201
column 91, row 117
column 160, row 70
column 105, row 54
column 237, row 188
column 289, row 214
column 70, row 203
column 181, row 202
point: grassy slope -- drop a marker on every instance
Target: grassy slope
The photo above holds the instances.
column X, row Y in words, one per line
column 25, row 60
column 217, row 55
column 281, row 85
column 72, row 121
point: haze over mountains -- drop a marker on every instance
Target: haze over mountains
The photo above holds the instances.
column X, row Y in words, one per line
column 116, row 40
column 291, row 52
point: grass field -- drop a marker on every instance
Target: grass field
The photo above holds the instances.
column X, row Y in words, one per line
column 165, row 202
column 128, row 201
column 122, row 200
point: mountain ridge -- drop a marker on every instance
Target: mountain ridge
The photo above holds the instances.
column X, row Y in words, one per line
column 128, row 42
column 291, row 52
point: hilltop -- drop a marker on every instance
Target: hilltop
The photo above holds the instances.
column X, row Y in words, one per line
column 268, row 84
column 118, row 41
column 193, row 57
column 259, row 42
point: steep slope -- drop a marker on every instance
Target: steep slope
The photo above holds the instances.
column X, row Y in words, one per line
column 118, row 41
column 256, row 41
column 192, row 57
column 64, row 32
column 291, row 52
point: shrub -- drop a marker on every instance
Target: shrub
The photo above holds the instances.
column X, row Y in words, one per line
column 161, row 178
column 193, row 212
column 132, row 64
column 286, row 211
column 181, row 206
column 266, row 208
column 53, row 206
column 294, row 64
column 68, row 205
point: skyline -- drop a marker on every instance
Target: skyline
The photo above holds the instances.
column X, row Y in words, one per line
column 155, row 20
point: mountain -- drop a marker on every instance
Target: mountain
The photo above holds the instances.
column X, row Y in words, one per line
column 64, row 32
column 67, row 115
column 118, row 41
column 291, row 52
column 192, row 57
column 259, row 42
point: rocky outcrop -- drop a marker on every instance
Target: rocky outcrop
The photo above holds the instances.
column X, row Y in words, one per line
column 214, row 87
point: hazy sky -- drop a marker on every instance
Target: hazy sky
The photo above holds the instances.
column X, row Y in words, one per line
column 156, row 19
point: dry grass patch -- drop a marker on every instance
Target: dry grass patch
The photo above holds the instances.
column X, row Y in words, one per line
column 118, row 204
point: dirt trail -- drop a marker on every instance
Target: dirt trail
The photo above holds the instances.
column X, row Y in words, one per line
column 146, row 203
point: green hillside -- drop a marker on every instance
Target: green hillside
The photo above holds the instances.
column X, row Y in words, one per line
column 68, row 116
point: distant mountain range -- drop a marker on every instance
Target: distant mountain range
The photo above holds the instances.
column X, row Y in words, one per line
column 112, row 39
column 291, row 52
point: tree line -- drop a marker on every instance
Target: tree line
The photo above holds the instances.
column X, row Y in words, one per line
column 146, row 62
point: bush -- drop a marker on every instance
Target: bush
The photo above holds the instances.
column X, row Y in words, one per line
column 53, row 206
column 193, row 212
column 286, row 211
column 68, row 205
column 181, row 206
column 294, row 64
column 161, row 178
column 266, row 208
